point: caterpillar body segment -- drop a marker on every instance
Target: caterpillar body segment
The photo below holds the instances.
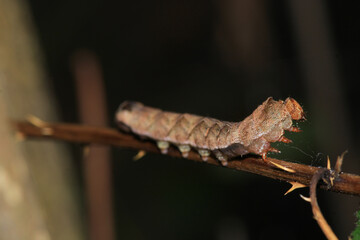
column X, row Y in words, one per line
column 208, row 136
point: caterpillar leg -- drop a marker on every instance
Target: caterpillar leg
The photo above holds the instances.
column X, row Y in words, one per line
column 163, row 146
column 271, row 149
column 184, row 149
column 294, row 129
column 284, row 140
column 221, row 157
column 204, row 154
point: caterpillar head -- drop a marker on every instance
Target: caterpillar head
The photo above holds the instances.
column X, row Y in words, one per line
column 295, row 110
column 124, row 114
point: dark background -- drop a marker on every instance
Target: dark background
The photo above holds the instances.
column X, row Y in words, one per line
column 218, row 59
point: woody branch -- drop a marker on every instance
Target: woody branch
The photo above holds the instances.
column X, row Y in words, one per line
column 345, row 183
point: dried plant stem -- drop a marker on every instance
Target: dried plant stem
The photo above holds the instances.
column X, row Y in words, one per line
column 345, row 183
column 315, row 207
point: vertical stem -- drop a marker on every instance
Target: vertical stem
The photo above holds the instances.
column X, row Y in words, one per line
column 325, row 227
column 92, row 108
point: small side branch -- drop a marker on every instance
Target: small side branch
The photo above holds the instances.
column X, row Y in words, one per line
column 325, row 227
column 345, row 183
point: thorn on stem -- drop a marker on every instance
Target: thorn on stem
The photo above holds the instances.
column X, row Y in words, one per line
column 328, row 163
column 282, row 167
column 86, row 150
column 294, row 186
column 339, row 162
column 139, row 155
column 307, row 199
column 37, row 122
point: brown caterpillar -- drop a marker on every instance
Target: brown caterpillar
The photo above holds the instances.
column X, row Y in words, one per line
column 208, row 135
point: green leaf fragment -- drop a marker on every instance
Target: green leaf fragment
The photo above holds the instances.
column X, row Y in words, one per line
column 355, row 235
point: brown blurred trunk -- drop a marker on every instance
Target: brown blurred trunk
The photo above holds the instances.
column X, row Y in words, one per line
column 243, row 35
column 37, row 197
column 97, row 166
column 246, row 46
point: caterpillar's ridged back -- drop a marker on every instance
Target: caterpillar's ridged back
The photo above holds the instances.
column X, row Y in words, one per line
column 197, row 131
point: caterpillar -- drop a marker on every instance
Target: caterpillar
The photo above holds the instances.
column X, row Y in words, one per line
column 223, row 139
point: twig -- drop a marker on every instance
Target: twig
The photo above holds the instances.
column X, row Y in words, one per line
column 315, row 206
column 345, row 183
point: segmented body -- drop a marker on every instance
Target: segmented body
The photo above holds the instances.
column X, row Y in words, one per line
column 208, row 135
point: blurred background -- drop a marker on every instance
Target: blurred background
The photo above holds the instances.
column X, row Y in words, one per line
column 213, row 58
